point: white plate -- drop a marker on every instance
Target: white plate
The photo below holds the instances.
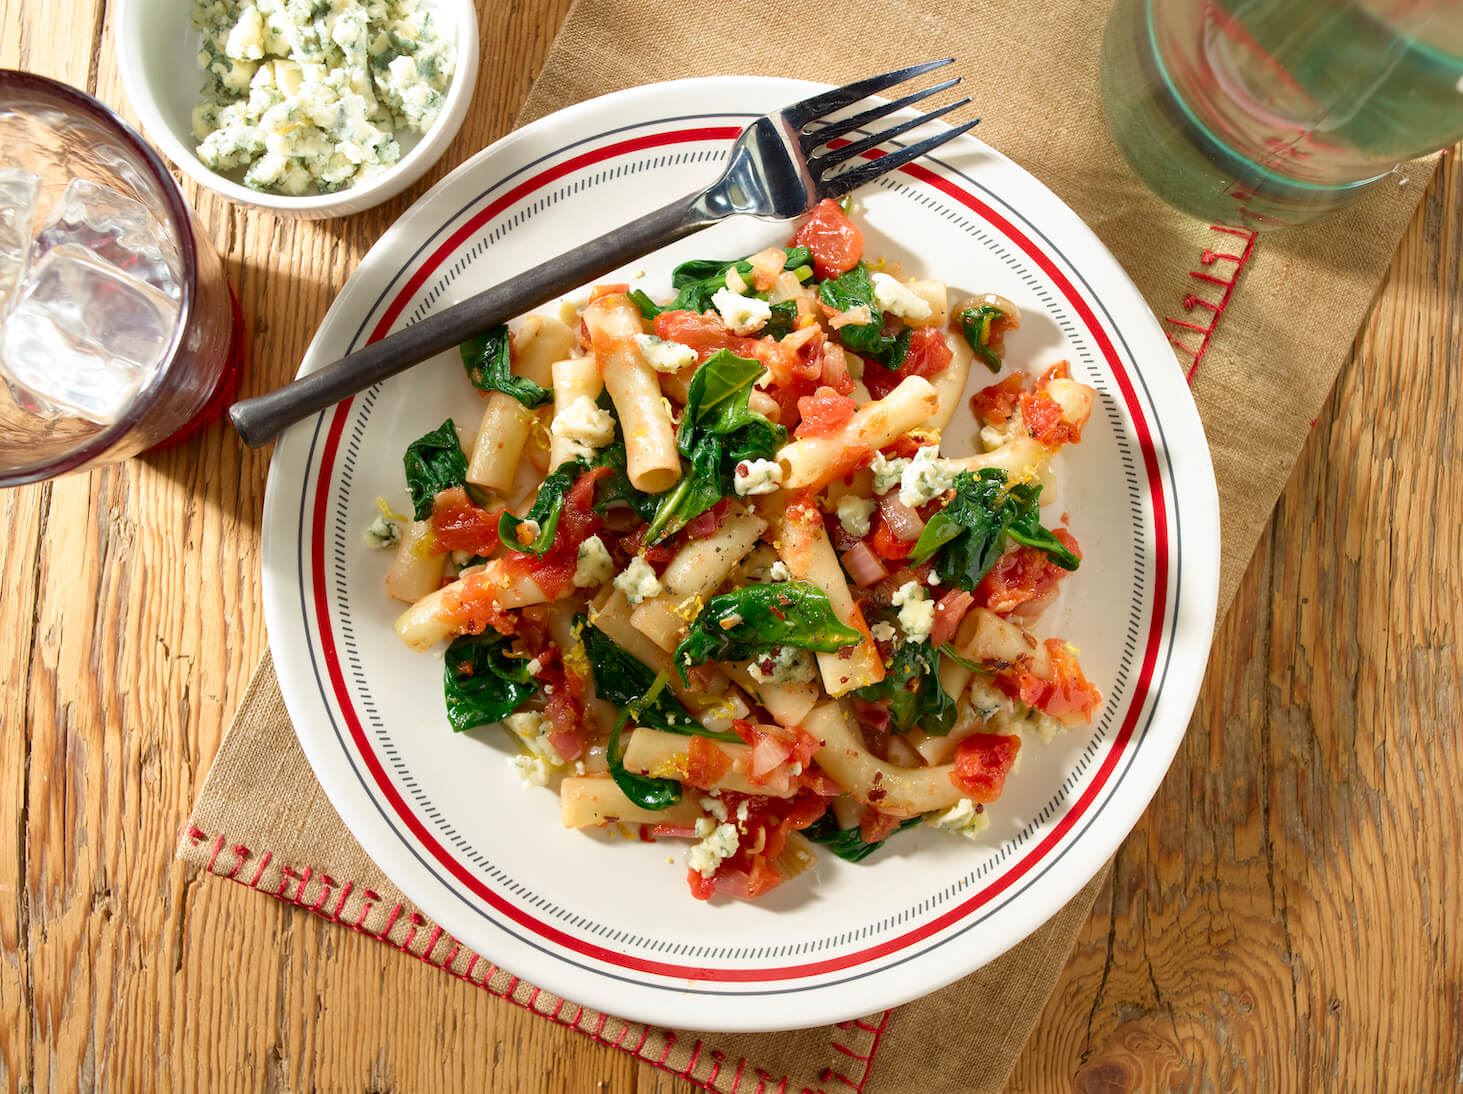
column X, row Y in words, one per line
column 609, row 922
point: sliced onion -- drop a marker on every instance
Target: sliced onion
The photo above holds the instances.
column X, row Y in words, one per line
column 863, row 565
column 766, row 265
column 949, row 612
column 903, row 521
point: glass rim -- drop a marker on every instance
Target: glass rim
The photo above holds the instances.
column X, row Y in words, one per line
column 182, row 218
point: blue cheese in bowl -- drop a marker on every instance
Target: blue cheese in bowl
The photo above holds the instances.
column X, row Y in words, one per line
column 310, row 96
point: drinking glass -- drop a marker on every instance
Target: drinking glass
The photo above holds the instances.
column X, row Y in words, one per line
column 1267, row 113
column 65, row 147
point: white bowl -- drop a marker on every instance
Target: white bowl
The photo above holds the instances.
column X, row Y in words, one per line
column 157, row 47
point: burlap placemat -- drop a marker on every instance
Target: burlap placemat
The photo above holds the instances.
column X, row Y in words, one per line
column 1260, row 327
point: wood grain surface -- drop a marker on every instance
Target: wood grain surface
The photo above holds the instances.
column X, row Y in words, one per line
column 1284, row 917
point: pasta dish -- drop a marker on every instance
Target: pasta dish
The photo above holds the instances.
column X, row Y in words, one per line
column 705, row 563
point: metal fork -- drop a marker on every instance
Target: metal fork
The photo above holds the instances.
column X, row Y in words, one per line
column 775, row 171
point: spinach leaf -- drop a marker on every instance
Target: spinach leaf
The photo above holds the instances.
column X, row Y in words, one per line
column 970, row 533
column 846, row 843
column 913, row 692
column 488, row 360
column 702, row 485
column 975, row 323
column 697, row 281
column 718, row 430
column 547, row 506
column 1025, row 527
column 434, row 462
column 482, row 682
column 747, row 622
column 616, row 488
column 649, row 309
column 854, row 289
column 784, row 319
column 623, row 679
column 644, row 790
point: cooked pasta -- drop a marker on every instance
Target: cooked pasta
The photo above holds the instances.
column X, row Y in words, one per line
column 714, row 576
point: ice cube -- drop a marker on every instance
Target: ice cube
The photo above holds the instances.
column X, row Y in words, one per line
column 113, row 227
column 82, row 337
column 18, row 189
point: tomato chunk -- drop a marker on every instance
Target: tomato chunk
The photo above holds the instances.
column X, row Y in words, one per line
column 459, row 525
column 995, row 404
column 982, row 762
column 1023, row 575
column 823, row 412
column 929, row 354
column 835, row 241
column 1044, row 421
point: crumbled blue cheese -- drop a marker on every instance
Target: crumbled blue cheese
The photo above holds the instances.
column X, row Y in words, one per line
column 638, row 581
column 382, row 533
column 715, row 807
column 887, row 473
column 756, row 477
column 894, row 296
column 916, row 610
column 539, row 759
column 854, row 513
column 307, row 97
column 664, row 356
column 783, row 665
column 778, row 571
column 993, row 437
column 593, row 565
column 719, row 842
column 926, row 477
column 964, row 818
column 741, row 314
column 999, row 713
column 584, row 425
column 883, row 631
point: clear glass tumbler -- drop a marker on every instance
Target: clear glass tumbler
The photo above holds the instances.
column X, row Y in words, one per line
column 126, row 285
column 1268, row 113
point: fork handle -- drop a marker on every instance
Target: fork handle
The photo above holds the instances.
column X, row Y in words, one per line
column 260, row 419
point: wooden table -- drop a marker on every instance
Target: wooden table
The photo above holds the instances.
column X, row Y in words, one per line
column 1286, row 914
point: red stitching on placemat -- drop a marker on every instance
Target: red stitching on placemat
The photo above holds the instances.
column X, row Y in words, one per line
column 1216, row 308
column 371, row 898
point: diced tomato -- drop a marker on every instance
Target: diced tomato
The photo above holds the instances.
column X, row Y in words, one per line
column 702, row 888
column 599, row 292
column 879, row 380
column 836, row 242
column 762, row 878
column 633, row 543
column 1044, row 421
column 823, row 412
column 885, row 543
column 565, row 715
column 995, row 404
column 1059, row 371
column 673, row 831
column 982, row 762
column 929, row 354
column 472, row 607
column 817, row 782
column 874, row 827
column 459, row 525
column 705, row 763
column 706, row 334
column 1023, row 576
column 554, row 572
column 950, row 609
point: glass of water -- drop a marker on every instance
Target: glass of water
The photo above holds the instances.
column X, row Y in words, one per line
column 1267, row 113
column 117, row 325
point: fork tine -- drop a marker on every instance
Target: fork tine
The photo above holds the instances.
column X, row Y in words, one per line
column 826, row 133
column 819, row 164
column 851, row 179
column 800, row 114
